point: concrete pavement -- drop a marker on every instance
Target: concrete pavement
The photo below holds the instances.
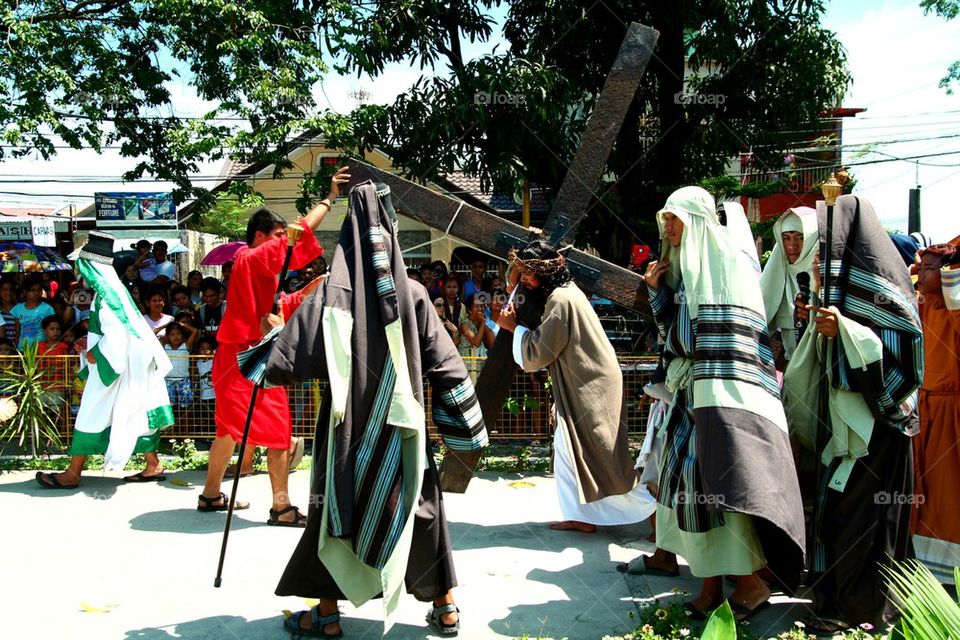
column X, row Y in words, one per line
column 112, row 560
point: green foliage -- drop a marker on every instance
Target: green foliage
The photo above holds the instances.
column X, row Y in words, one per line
column 721, row 624
column 228, row 217
column 34, row 421
column 927, row 609
column 948, row 10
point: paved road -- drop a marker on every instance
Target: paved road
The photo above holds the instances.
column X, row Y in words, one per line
column 118, row 561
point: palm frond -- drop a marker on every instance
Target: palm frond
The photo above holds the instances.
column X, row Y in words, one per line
column 926, row 608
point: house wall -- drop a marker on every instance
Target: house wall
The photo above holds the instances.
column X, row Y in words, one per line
column 281, row 195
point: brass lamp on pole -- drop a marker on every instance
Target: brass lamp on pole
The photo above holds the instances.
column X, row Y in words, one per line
column 831, row 190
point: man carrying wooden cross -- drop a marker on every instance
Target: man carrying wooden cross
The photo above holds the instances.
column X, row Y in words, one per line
column 596, row 479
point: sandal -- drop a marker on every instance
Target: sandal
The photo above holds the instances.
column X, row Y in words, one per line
column 299, row 520
column 210, row 504
column 317, row 623
column 139, row 477
column 297, row 456
column 741, row 613
column 435, row 620
column 49, row 481
column 634, row 569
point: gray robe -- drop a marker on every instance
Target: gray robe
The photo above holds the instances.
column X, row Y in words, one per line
column 361, row 286
column 588, row 390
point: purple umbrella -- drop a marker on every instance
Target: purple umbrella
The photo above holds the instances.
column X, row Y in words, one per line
column 222, row 254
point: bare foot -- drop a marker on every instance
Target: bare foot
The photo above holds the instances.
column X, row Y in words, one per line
column 750, row 596
column 573, row 525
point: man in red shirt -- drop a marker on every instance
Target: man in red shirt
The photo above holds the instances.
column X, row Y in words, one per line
column 253, row 283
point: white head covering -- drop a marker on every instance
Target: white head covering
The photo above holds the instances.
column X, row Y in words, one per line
column 740, row 232
column 779, row 279
column 703, row 258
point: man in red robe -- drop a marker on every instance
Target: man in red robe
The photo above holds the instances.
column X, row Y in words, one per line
column 253, row 283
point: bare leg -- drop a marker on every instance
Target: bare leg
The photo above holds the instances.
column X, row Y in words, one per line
column 220, row 452
column 751, row 591
column 72, row 474
column 447, row 618
column 278, row 461
column 710, row 596
column 153, row 466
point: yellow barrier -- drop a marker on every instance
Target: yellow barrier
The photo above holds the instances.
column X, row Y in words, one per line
column 525, row 416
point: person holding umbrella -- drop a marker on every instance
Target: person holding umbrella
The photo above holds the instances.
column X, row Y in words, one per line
column 255, row 272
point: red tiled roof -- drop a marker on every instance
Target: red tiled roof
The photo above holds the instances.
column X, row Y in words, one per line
column 469, row 186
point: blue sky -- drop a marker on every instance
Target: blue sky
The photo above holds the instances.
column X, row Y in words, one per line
column 896, row 55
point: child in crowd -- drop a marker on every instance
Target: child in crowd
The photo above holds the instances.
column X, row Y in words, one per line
column 181, row 300
column 155, row 317
column 205, row 347
column 212, row 309
column 31, row 311
column 52, row 345
column 178, row 342
column 195, row 286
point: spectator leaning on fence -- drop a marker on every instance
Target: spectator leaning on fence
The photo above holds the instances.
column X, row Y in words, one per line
column 31, row 311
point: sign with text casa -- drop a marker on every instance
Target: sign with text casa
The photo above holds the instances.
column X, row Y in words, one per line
column 135, row 210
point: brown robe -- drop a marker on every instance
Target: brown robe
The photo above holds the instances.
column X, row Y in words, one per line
column 588, row 391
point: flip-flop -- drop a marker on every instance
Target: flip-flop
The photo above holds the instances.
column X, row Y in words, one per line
column 624, row 567
column 49, row 481
column 139, row 477
column 742, row 613
column 231, row 472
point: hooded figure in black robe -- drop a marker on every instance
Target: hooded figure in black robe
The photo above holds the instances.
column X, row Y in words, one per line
column 376, row 518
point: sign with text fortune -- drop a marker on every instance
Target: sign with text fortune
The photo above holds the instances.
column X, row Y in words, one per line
column 135, row 210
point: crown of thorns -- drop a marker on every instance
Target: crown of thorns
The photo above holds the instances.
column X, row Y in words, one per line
column 540, row 267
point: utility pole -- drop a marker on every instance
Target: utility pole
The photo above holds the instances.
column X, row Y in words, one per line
column 913, row 208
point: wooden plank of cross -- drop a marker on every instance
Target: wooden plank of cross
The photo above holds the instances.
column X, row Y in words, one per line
column 497, row 236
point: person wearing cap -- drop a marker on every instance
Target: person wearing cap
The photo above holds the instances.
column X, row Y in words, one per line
column 256, row 269
column 124, row 405
column 597, row 483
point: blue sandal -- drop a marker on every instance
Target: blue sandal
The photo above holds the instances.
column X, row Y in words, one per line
column 317, row 623
column 436, row 621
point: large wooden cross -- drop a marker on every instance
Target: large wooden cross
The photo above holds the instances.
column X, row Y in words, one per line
column 498, row 236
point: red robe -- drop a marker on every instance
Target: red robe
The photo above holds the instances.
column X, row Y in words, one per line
column 253, row 283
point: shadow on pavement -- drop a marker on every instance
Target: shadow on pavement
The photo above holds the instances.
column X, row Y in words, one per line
column 239, row 628
column 98, row 488
column 190, row 521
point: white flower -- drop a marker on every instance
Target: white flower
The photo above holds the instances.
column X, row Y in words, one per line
column 684, row 633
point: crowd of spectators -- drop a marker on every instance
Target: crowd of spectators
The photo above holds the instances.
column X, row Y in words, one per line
column 468, row 303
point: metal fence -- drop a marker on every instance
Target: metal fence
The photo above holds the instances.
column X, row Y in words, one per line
column 525, row 415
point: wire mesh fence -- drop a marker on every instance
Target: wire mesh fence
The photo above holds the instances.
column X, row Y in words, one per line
column 525, row 414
